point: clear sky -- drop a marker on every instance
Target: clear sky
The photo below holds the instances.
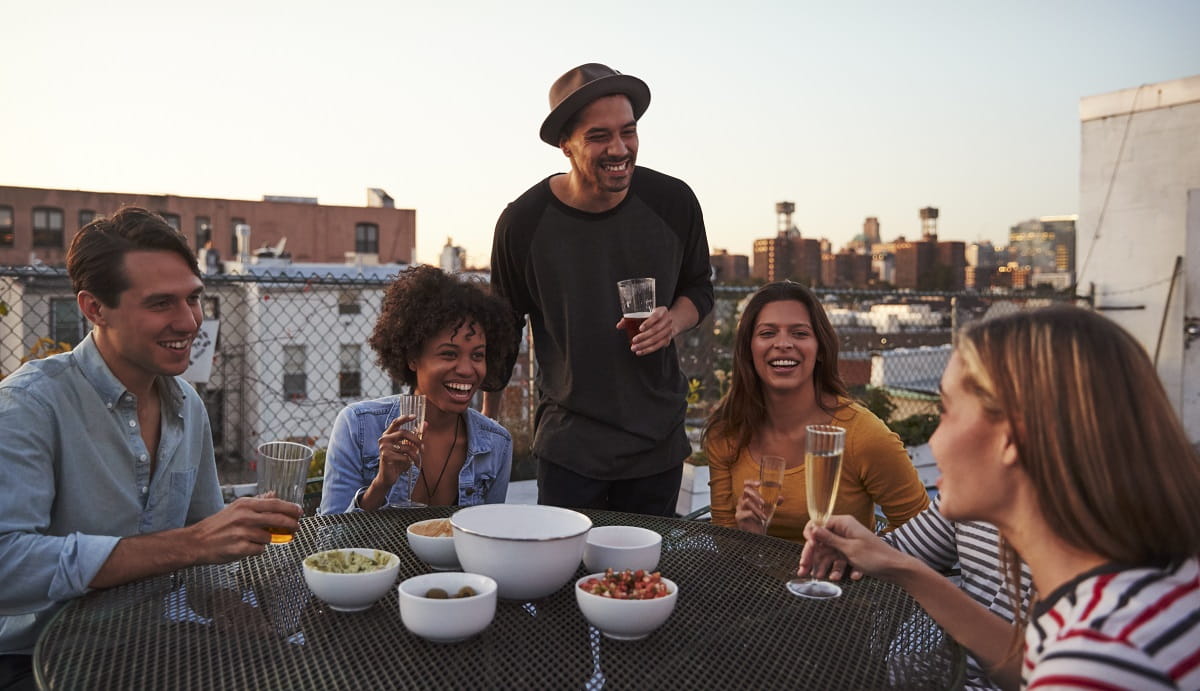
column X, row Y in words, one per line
column 849, row 109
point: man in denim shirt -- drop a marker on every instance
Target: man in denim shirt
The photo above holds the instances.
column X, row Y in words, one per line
column 107, row 457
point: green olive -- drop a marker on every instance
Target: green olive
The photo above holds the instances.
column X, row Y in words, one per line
column 465, row 591
column 437, row 594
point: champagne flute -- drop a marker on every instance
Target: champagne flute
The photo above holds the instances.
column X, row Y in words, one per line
column 770, row 485
column 410, row 405
column 823, row 447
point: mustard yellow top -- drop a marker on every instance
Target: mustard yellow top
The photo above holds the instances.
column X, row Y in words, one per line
column 875, row 470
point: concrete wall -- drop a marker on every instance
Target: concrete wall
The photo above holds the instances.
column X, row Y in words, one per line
column 1140, row 155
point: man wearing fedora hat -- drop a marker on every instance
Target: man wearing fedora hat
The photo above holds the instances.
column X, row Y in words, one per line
column 609, row 428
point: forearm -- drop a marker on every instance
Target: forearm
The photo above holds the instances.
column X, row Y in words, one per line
column 143, row 556
column 986, row 635
column 684, row 315
column 491, row 403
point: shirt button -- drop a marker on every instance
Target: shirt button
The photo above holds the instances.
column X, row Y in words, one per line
column 109, row 404
column 132, row 423
column 145, row 489
column 143, row 457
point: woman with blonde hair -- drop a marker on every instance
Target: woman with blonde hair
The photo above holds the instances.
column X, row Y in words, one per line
column 785, row 377
column 1057, row 430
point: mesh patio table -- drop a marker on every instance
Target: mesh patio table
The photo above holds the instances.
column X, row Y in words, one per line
column 254, row 624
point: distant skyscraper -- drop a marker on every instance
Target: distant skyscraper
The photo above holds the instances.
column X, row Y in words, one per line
column 871, row 232
column 1045, row 245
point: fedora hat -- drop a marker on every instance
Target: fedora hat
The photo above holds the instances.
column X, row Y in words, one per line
column 584, row 84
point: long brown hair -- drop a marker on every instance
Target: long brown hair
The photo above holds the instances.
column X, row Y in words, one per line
column 1109, row 461
column 743, row 408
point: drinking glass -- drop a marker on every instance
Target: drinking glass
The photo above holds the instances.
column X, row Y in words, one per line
column 637, row 302
column 770, row 479
column 411, row 405
column 823, row 447
column 283, row 469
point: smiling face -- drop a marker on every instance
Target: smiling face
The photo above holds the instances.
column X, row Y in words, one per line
column 970, row 447
column 149, row 332
column 784, row 346
column 451, row 366
column 603, row 146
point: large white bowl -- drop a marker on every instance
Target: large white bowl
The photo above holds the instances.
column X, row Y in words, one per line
column 530, row 550
column 625, row 620
column 621, row 548
column 447, row 621
column 352, row 592
column 438, row 552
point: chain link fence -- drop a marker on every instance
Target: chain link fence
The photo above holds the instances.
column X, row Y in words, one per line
column 280, row 355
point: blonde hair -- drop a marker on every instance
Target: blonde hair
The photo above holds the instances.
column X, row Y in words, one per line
column 1111, row 465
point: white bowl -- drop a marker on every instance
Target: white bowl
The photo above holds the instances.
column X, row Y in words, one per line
column 352, row 592
column 530, row 550
column 621, row 547
column 625, row 620
column 454, row 619
column 438, row 552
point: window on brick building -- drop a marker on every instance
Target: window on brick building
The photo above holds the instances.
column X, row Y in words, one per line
column 47, row 227
column 366, row 238
column 350, row 371
column 6, row 226
column 86, row 216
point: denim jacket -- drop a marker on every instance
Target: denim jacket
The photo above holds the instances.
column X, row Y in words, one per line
column 352, row 459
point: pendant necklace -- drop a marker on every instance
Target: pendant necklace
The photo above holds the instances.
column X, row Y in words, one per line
column 445, row 464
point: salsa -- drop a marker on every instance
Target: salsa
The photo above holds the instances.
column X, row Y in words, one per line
column 627, row 585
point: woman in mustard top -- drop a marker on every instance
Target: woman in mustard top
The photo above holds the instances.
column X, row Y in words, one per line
column 785, row 377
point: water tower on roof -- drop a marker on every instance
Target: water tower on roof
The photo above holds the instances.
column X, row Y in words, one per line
column 929, row 218
column 783, row 213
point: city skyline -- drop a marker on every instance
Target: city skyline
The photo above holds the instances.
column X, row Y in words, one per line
column 856, row 110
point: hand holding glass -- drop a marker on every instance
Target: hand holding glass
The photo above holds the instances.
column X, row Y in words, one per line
column 770, row 485
column 283, row 469
column 411, row 405
column 823, row 447
column 637, row 302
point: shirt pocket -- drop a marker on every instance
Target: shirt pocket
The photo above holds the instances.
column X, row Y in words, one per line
column 179, row 497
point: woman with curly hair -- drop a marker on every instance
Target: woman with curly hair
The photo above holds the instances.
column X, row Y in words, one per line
column 446, row 338
column 785, row 377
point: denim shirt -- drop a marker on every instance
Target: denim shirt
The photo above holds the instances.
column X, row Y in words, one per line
column 76, row 479
column 352, row 459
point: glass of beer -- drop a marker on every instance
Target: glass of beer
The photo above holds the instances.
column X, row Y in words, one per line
column 637, row 302
column 283, row 469
column 823, row 447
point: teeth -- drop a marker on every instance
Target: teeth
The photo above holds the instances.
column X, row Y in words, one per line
column 458, row 387
column 175, row 345
column 784, row 363
column 616, row 166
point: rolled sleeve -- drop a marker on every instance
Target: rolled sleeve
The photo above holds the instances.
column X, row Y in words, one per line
column 37, row 568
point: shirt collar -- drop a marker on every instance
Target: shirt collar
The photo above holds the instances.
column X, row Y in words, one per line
column 95, row 370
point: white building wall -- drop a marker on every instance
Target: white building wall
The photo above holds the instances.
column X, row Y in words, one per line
column 919, row 369
column 1140, row 155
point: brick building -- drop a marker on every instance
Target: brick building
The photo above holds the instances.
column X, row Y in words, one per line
column 38, row 224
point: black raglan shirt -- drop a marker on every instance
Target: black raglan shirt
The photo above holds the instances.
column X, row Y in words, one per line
column 603, row 412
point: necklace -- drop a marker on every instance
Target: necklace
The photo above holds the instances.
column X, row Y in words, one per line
column 430, row 492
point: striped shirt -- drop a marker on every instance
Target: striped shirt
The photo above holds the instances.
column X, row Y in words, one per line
column 974, row 547
column 1113, row 628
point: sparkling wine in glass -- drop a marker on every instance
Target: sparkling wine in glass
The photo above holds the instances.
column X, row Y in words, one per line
column 770, row 478
column 410, row 405
column 823, row 449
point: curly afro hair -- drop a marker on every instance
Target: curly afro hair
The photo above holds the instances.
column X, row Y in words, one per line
column 423, row 301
